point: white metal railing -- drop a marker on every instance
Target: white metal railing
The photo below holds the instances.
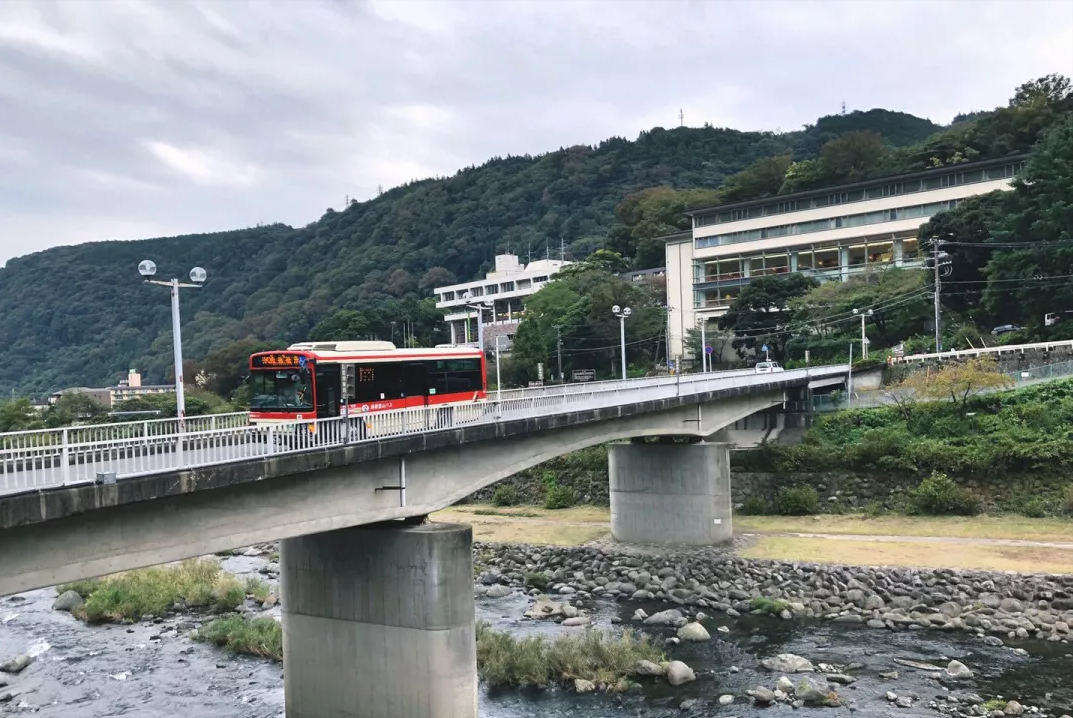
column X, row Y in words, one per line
column 70, row 456
column 957, row 353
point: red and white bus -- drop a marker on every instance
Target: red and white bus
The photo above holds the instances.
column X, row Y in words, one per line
column 317, row 380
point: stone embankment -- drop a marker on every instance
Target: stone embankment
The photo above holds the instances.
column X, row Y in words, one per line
column 995, row 606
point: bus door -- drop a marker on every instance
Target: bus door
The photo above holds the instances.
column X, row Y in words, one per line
column 327, row 386
column 415, row 386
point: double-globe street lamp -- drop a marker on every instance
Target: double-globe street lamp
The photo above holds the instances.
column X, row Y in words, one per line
column 197, row 276
column 864, row 337
column 622, row 313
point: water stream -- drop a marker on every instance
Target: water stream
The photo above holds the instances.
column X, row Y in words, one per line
column 152, row 670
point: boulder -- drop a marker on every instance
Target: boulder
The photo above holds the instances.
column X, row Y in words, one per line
column 811, row 689
column 576, row 621
column 498, row 591
column 544, row 608
column 664, row 618
column 787, row 663
column 679, row 673
column 762, row 696
column 648, row 668
column 16, row 664
column 726, row 700
column 693, row 632
column 583, row 686
column 958, row 671
column 67, row 601
column 1013, row 708
column 785, row 685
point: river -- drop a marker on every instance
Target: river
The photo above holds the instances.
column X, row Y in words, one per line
column 154, row 671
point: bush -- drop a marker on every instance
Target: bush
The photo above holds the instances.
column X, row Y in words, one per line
column 559, row 497
column 797, row 501
column 769, row 605
column 256, row 637
column 938, row 495
column 505, row 495
column 874, row 509
column 536, row 579
column 1067, row 500
column 755, row 506
column 1036, row 507
column 598, row 656
column 153, row 591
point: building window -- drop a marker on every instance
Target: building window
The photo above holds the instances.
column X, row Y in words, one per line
column 508, row 286
column 447, row 297
column 491, row 289
column 524, row 284
column 538, row 280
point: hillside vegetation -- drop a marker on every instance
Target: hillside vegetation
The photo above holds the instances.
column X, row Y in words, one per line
column 79, row 316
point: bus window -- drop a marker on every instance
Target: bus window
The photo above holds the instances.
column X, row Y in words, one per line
column 376, row 382
column 285, row 390
column 455, row 376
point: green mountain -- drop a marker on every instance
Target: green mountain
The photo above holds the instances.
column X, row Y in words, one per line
column 79, row 315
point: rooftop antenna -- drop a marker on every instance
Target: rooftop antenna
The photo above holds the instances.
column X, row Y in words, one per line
column 681, row 118
column 843, row 107
column 562, row 250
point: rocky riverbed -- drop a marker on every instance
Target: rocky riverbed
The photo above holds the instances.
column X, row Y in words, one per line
column 729, row 659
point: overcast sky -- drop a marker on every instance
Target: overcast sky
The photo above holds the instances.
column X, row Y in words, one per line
column 124, row 120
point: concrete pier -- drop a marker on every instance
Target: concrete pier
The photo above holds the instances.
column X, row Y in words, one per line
column 670, row 493
column 378, row 622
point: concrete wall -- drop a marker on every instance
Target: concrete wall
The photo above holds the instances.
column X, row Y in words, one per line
column 315, row 492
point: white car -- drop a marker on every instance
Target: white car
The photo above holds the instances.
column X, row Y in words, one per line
column 767, row 367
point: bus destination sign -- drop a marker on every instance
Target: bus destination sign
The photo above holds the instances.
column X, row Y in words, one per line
column 282, row 361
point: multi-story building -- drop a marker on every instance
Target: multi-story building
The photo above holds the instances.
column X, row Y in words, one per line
column 132, row 388
column 830, row 234
column 501, row 294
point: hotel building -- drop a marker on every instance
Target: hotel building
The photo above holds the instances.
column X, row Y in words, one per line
column 830, row 234
column 505, row 288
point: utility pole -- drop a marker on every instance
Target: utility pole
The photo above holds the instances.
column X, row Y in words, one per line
column 559, row 351
column 939, row 261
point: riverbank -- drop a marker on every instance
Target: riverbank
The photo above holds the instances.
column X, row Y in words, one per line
column 1031, row 545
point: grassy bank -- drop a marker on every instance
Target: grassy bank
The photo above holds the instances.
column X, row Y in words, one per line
column 530, row 524
column 256, row 637
column 597, row 656
column 1006, row 526
column 196, row 584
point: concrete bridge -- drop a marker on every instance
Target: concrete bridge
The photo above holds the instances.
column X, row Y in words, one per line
column 377, row 607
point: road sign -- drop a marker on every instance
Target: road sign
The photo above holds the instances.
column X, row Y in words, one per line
column 583, row 374
column 764, row 348
column 708, row 349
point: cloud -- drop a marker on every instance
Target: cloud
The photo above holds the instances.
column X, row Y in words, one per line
column 130, row 118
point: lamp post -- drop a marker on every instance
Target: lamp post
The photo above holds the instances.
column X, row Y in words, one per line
column 864, row 338
column 622, row 313
column 703, row 321
column 499, row 383
column 197, row 276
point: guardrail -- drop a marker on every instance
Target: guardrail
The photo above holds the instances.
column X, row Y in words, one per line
column 958, row 353
column 80, row 458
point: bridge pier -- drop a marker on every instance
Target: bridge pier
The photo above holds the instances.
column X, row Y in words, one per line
column 378, row 622
column 670, row 493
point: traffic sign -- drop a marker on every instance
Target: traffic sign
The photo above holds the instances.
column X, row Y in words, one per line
column 764, row 348
column 708, row 349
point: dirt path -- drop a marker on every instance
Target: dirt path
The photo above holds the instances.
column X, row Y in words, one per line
column 924, row 539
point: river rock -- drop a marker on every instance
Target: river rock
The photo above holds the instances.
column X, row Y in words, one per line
column 726, row 700
column 903, row 702
column 840, row 678
column 648, row 668
column 576, row 621
column 583, row 686
column 544, row 607
column 67, row 601
column 569, row 611
column 785, row 685
column 639, row 615
column 16, row 664
column 787, row 663
column 762, row 696
column 1013, row 708
column 664, row 618
column 811, row 689
column 496, row 591
column 679, row 673
column 958, row 671
column 693, row 632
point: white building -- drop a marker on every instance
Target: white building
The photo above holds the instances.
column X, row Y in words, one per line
column 501, row 293
column 830, row 234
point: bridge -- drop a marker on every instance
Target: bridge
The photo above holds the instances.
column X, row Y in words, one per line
column 377, row 607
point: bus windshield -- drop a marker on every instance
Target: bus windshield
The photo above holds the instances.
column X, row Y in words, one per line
column 282, row 390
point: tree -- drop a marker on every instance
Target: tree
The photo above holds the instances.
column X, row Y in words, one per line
column 437, row 277
column 225, row 370
column 852, row 157
column 762, row 178
column 74, row 407
column 1049, row 89
column 18, row 415
column 958, row 382
column 761, row 314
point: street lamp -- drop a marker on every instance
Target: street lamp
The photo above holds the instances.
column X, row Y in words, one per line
column 703, row 321
column 622, row 313
column 864, row 339
column 480, row 316
column 147, row 269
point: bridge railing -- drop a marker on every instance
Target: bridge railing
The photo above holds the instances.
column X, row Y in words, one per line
column 84, row 457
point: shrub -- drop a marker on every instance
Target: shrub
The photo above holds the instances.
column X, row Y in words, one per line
column 797, row 501
column 938, row 495
column 1036, row 507
column 1067, row 500
column 505, row 495
column 769, row 605
column 598, row 656
column 559, row 497
column 257, row 637
column 874, row 509
column 755, row 506
column 536, row 579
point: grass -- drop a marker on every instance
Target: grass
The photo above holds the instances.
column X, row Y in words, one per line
column 769, row 605
column 574, row 526
column 597, row 656
column 991, row 527
column 153, row 591
column 1025, row 559
column 256, row 637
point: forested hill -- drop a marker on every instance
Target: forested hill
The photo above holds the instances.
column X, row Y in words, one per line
column 80, row 316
